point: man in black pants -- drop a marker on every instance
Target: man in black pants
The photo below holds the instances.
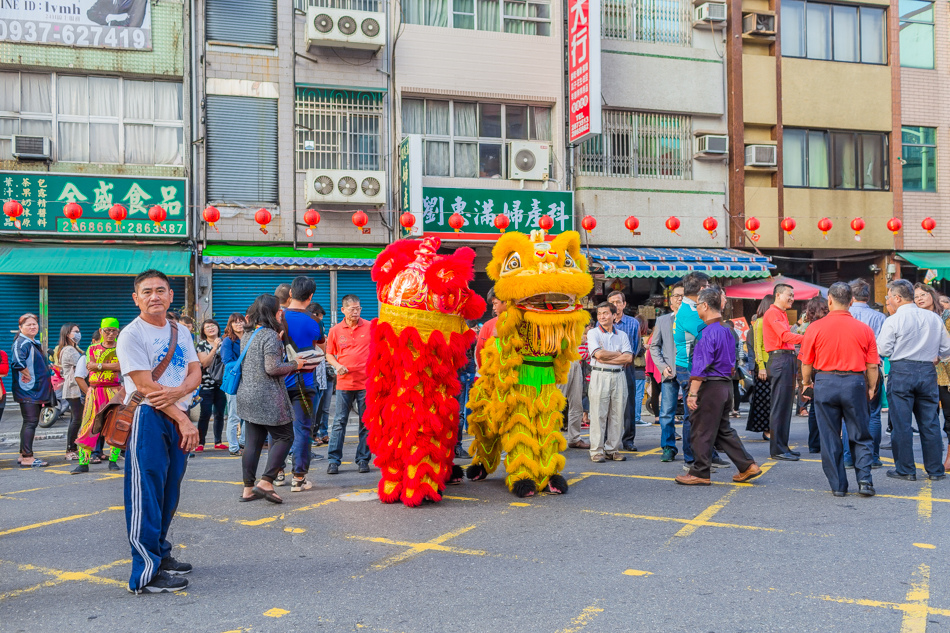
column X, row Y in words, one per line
column 780, row 342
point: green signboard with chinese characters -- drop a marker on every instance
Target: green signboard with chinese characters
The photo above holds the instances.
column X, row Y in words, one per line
column 43, row 196
column 479, row 207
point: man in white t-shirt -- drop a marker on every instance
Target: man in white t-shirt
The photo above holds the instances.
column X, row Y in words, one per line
column 162, row 434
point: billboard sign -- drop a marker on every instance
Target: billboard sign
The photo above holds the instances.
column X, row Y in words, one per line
column 583, row 69
column 410, row 182
column 478, row 208
column 117, row 24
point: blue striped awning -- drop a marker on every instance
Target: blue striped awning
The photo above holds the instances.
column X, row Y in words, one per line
column 677, row 262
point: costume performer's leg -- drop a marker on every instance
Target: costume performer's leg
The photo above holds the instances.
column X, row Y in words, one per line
column 552, row 443
column 520, row 443
column 382, row 422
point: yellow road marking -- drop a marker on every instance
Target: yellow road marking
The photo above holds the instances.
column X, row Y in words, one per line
column 276, row 613
column 519, row 504
column 715, row 483
column 637, row 572
column 454, row 498
column 266, row 520
column 697, row 522
column 34, row 526
column 435, row 545
column 925, row 546
column 61, row 576
column 703, row 517
column 582, row 620
column 925, row 506
column 215, row 481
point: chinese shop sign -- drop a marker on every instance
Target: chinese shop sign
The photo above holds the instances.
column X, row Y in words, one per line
column 478, row 208
column 583, row 68
column 44, row 194
column 410, row 182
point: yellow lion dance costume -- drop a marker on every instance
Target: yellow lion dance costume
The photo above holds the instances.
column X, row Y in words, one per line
column 516, row 405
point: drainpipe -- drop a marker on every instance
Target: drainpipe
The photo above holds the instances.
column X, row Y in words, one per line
column 293, row 78
column 195, row 179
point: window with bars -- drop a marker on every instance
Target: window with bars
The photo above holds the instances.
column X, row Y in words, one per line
column 640, row 145
column 338, row 129
column 94, row 119
column 657, row 21
column 466, row 139
column 525, row 17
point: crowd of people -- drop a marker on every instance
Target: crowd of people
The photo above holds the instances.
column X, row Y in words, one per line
column 830, row 365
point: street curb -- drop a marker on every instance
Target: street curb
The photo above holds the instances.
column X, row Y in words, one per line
column 48, row 436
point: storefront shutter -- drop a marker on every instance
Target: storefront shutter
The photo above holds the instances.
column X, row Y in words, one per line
column 359, row 283
column 235, row 290
column 241, row 149
column 241, row 22
column 20, row 294
column 87, row 300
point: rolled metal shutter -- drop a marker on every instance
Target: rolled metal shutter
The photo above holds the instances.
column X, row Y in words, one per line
column 235, row 290
column 87, row 300
column 241, row 149
column 359, row 283
column 241, row 22
column 20, row 294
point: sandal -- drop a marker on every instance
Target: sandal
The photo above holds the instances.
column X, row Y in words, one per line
column 270, row 495
column 95, row 460
column 255, row 495
column 36, row 463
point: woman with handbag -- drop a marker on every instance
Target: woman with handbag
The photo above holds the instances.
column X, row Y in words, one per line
column 104, row 380
column 262, row 398
column 32, row 387
column 67, row 355
column 212, row 372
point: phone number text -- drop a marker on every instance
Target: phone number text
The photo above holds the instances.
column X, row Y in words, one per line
column 71, row 35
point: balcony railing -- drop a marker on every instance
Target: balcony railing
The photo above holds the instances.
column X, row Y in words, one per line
column 656, row 21
column 640, row 145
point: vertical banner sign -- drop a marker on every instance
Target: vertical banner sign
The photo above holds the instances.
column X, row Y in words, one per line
column 410, row 182
column 583, row 70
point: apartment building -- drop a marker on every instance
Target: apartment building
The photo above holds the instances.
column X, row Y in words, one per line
column 94, row 161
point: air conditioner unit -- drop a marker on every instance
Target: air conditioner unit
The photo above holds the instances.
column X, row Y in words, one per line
column 31, row 147
column 346, row 186
column 346, row 29
column 711, row 12
column 761, row 156
column 758, row 24
column 529, row 160
column 712, row 144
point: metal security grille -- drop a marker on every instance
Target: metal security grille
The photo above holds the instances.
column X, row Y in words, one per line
column 658, row 21
column 640, row 145
column 338, row 129
column 241, row 147
column 241, row 22
column 348, row 5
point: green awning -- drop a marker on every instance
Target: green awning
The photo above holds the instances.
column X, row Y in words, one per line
column 69, row 259
column 289, row 256
column 939, row 262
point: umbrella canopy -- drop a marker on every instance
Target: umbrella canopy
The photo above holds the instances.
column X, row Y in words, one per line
column 758, row 289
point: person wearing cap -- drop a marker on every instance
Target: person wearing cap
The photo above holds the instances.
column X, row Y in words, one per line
column 104, row 380
column 843, row 351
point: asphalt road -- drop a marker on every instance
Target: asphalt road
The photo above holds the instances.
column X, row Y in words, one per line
column 625, row 550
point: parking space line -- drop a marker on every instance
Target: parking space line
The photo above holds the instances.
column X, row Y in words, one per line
column 434, row 545
column 703, row 517
column 34, row 526
column 695, row 522
column 925, row 505
column 715, row 483
column 266, row 520
column 583, row 619
column 61, row 576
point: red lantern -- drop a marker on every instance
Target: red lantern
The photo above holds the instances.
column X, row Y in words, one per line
column 13, row 210
column 407, row 220
column 118, row 213
column 672, row 223
column 589, row 223
column 545, row 223
column 360, row 220
column 928, row 225
column 311, row 218
column 752, row 225
column 157, row 215
column 72, row 211
column 263, row 217
column 710, row 225
column 894, row 225
column 502, row 222
column 824, row 225
column 632, row 223
column 211, row 215
column 788, row 225
column 857, row 225
column 456, row 221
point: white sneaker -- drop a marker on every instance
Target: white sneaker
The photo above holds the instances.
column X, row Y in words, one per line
column 300, row 485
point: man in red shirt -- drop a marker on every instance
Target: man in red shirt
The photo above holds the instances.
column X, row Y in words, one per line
column 348, row 351
column 488, row 330
column 844, row 353
column 780, row 342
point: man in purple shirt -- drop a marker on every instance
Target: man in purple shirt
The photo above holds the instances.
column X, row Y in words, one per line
column 710, row 396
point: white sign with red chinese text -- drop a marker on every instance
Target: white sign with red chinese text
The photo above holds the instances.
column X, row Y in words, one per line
column 583, row 69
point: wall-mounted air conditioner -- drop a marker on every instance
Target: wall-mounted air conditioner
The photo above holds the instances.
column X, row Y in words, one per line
column 346, row 186
column 529, row 160
column 758, row 24
column 31, row 147
column 711, row 12
column 761, row 156
column 346, row 29
column 712, row 144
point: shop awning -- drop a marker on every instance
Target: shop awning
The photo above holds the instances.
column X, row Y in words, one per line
column 758, row 289
column 70, row 259
column 288, row 256
column 677, row 262
column 939, row 262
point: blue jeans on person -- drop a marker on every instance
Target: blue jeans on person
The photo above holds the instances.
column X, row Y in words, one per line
column 344, row 402
column 912, row 393
column 875, row 427
column 669, row 392
column 466, row 380
column 305, row 409
column 323, row 415
column 638, row 403
column 234, row 442
column 682, row 379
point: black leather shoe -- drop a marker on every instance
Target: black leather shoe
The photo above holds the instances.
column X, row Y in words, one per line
column 865, row 489
column 937, row 477
column 786, row 457
column 814, row 450
column 893, row 474
column 333, row 469
column 630, row 446
column 795, row 453
column 839, row 493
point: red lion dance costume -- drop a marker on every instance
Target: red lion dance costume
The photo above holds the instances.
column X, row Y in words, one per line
column 419, row 343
